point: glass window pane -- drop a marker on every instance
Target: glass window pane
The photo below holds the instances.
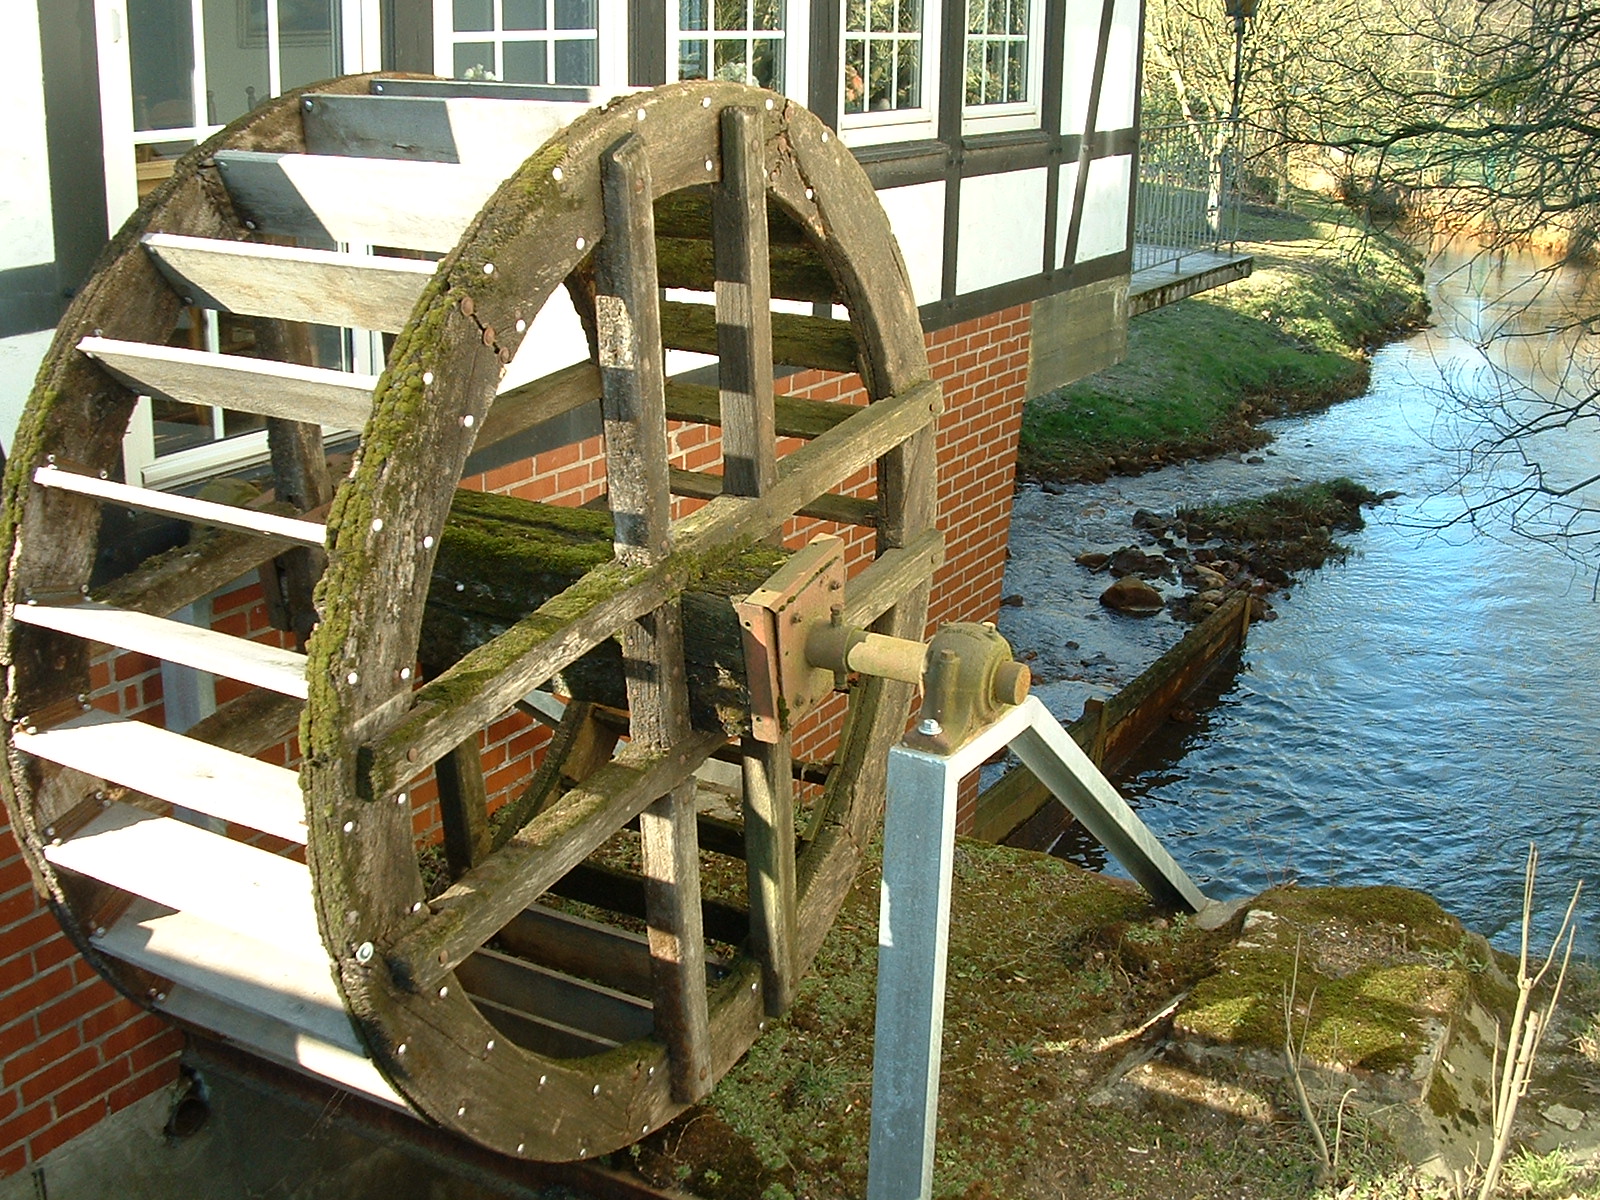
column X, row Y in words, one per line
column 997, row 16
column 994, row 72
column 692, row 14
column 577, row 62
column 910, row 16
column 974, row 72
column 855, row 16
column 731, row 61
column 975, row 13
column 473, row 15
column 308, row 50
column 526, row 62
column 768, row 14
column 731, row 14
column 692, row 59
column 474, row 60
column 1017, row 73
column 908, row 93
column 855, row 87
column 575, row 14
column 1019, row 17
column 522, row 14
column 236, row 61
column 880, row 75
column 766, row 64
column 161, row 50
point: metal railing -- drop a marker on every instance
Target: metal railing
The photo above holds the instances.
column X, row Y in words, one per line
column 1187, row 202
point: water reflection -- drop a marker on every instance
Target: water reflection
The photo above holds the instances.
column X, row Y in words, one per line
column 1420, row 712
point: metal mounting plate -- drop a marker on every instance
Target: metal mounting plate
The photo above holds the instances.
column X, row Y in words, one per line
column 774, row 620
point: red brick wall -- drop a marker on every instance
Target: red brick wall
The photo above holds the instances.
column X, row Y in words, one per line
column 72, row 1051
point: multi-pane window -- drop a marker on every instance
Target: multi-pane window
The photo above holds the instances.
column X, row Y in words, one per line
column 997, row 52
column 526, row 41
column 738, row 40
column 883, row 56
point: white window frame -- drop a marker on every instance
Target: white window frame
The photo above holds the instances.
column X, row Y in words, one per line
column 796, row 37
column 609, row 34
column 360, row 44
column 899, row 125
column 977, row 119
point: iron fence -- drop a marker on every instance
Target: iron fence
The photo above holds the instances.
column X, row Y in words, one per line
column 1187, row 202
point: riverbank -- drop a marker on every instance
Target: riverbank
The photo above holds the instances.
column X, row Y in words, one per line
column 1201, row 375
column 1094, row 1046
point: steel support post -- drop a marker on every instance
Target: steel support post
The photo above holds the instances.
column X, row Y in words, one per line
column 913, row 946
column 914, row 917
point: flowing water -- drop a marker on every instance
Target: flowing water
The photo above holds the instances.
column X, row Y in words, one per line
column 1420, row 712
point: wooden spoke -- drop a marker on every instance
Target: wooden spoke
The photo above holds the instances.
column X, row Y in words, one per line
column 470, row 994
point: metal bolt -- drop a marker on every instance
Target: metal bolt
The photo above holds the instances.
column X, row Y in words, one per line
column 469, row 421
column 364, row 953
column 404, row 674
column 417, row 907
column 543, row 1079
column 308, row 103
column 595, row 1091
column 769, row 105
column 377, row 524
column 490, row 1046
column 461, row 1111
column 427, row 542
column 400, row 1049
column 353, row 678
column 705, row 101
column 249, row 224
column 402, row 798
column 488, row 268
column 710, row 165
column 556, row 174
column 427, row 376
column 520, row 1146
column 581, row 243
column 639, row 114
column 349, row 826
column 929, row 727
column 443, row 992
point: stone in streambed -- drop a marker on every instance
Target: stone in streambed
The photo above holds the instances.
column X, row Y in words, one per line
column 1132, row 595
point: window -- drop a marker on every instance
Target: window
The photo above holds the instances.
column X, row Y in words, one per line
column 744, row 41
column 525, row 41
column 889, row 70
column 1001, row 87
column 171, row 73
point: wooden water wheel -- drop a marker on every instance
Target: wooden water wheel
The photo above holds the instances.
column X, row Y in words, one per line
column 475, row 1002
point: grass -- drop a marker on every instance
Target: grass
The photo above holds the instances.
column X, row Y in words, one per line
column 1199, row 373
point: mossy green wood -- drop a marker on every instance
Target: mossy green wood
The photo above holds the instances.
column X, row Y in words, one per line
column 78, row 414
column 386, row 530
column 539, row 229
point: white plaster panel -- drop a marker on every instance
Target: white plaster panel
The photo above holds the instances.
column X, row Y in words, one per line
column 1105, row 208
column 1064, row 194
column 25, row 228
column 1119, row 89
column 1082, row 38
column 1001, row 232
column 19, row 363
column 916, row 215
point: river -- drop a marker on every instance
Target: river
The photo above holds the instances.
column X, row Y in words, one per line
column 1417, row 714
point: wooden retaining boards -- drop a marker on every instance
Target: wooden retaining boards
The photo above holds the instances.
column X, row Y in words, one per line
column 1110, row 732
column 798, row 341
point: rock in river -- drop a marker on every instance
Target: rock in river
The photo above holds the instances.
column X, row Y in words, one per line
column 1130, row 594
